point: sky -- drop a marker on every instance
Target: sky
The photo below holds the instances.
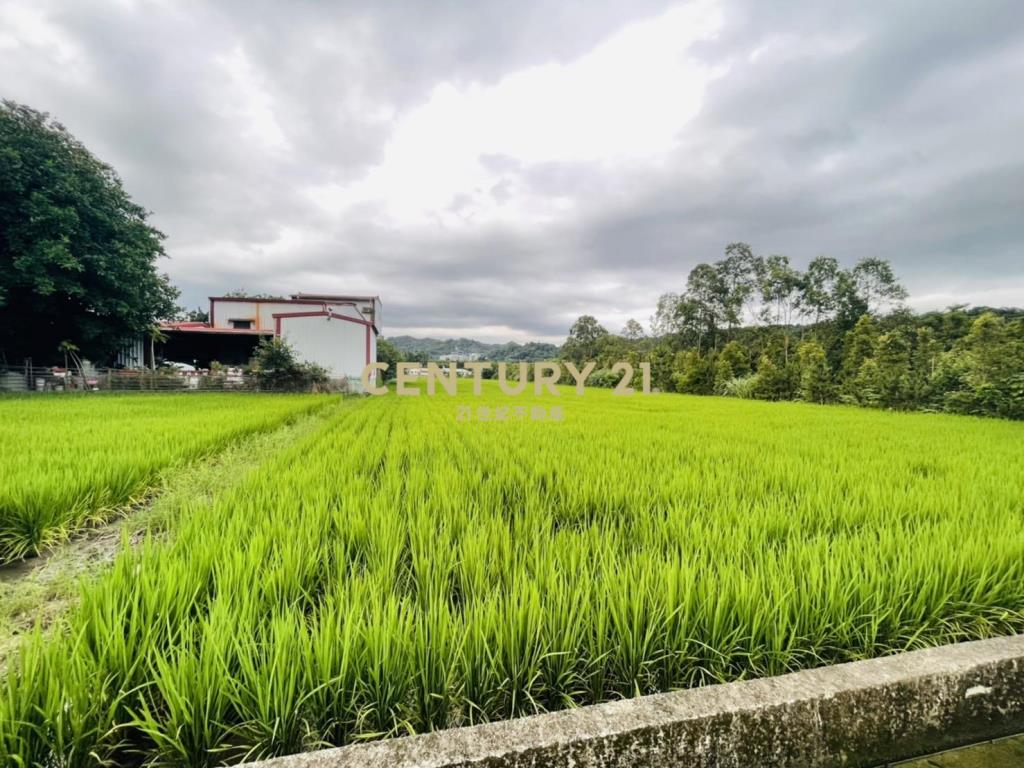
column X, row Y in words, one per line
column 496, row 169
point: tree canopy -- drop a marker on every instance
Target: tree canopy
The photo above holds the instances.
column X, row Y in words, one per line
column 77, row 256
column 584, row 337
column 754, row 326
column 721, row 296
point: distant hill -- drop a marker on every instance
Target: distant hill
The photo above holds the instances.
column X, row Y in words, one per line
column 434, row 349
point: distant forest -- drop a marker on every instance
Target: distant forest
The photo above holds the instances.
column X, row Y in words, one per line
column 756, row 327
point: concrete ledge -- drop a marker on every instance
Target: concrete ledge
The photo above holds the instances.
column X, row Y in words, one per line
column 865, row 713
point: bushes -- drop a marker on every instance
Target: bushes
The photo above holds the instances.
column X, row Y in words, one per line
column 695, row 374
column 815, row 376
column 733, row 362
column 603, row 378
column 742, row 386
column 879, row 363
column 278, row 368
column 985, row 374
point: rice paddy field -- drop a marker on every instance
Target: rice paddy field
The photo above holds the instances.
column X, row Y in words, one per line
column 68, row 461
column 401, row 570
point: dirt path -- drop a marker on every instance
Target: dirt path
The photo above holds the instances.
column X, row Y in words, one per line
column 97, row 544
column 39, row 591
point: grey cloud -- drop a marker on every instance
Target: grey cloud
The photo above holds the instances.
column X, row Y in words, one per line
column 862, row 129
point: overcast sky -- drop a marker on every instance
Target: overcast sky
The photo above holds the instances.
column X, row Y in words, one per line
column 495, row 169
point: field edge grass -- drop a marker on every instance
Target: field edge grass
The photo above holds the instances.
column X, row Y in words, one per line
column 38, row 591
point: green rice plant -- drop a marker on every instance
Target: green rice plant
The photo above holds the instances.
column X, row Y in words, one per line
column 182, row 712
column 268, row 689
column 330, row 662
column 69, row 461
column 385, row 679
column 403, row 571
column 436, row 652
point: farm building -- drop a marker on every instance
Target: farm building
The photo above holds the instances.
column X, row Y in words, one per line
column 336, row 332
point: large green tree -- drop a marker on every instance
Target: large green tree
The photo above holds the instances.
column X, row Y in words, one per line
column 77, row 257
column 583, row 341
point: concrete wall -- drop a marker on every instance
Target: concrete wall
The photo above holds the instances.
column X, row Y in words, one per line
column 335, row 335
column 337, row 344
column 866, row 713
column 378, row 315
column 261, row 312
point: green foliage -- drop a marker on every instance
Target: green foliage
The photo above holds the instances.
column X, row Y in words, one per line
column 388, row 353
column 719, row 296
column 695, row 373
column 815, row 377
column 866, row 387
column 278, row 367
column 925, row 359
column 602, row 377
column 818, row 298
column 77, row 257
column 584, row 337
column 399, row 572
column 960, row 361
column 774, row 382
column 859, row 346
column 632, row 330
column 984, row 373
column 530, row 352
column 744, row 387
column 662, row 361
column 733, row 362
column 876, row 284
column 892, row 358
column 54, row 480
column 779, row 284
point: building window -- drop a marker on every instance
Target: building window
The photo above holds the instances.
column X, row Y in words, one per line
column 241, row 324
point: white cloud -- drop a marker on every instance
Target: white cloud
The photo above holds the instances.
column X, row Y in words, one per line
column 978, row 294
column 29, row 28
column 247, row 102
column 622, row 104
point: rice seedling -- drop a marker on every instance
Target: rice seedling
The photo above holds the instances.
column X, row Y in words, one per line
column 401, row 571
column 68, row 461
